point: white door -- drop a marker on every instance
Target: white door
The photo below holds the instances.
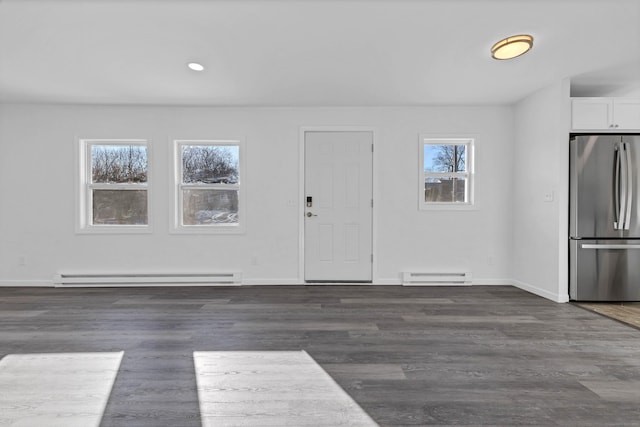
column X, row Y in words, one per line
column 338, row 206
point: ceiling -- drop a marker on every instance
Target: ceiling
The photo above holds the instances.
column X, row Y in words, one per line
column 308, row 52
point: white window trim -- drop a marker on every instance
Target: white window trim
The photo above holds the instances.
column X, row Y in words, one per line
column 85, row 186
column 469, row 174
column 176, row 222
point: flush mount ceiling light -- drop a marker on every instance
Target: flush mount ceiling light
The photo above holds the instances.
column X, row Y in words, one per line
column 195, row 66
column 512, row 47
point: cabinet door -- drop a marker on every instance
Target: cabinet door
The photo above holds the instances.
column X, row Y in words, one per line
column 591, row 113
column 626, row 114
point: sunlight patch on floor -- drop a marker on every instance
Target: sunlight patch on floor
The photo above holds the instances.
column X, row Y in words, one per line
column 56, row 389
column 271, row 388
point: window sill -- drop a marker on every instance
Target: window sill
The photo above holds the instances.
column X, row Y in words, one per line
column 206, row 229
column 448, row 207
column 115, row 230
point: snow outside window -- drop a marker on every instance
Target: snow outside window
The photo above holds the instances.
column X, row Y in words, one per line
column 208, row 179
column 446, row 173
column 114, row 194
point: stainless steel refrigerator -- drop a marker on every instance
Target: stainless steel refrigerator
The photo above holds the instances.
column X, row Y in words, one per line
column 604, row 221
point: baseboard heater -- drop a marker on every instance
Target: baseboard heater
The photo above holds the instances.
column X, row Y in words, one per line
column 411, row 278
column 146, row 279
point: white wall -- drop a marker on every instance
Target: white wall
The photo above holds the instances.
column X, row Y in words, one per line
column 540, row 228
column 38, row 145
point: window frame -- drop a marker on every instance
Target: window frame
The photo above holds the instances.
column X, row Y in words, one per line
column 86, row 186
column 468, row 174
column 177, row 225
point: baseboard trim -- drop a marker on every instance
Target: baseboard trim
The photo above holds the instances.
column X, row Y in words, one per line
column 26, row 284
column 387, row 282
column 474, row 282
column 379, row 282
column 271, row 282
column 492, row 282
column 540, row 292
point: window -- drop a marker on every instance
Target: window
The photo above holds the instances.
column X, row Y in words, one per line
column 446, row 173
column 114, row 185
column 208, row 179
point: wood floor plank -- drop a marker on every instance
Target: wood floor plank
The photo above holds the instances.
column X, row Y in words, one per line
column 387, row 301
column 366, row 371
column 8, row 314
column 304, row 326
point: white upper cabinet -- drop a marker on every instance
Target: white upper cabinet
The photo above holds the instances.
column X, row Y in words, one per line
column 591, row 113
column 605, row 114
column 626, row 113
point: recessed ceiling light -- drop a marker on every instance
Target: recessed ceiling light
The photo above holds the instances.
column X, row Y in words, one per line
column 512, row 47
column 195, row 66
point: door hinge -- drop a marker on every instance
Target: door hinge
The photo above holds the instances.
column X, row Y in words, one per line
column 371, row 202
column 372, row 258
column 372, row 148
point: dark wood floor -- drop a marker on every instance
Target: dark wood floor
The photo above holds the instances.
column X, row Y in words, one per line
column 409, row 356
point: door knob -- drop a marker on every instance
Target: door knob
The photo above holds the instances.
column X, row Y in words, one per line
column 309, row 215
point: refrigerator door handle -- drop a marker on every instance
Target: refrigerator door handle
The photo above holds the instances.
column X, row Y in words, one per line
column 617, row 224
column 624, row 173
column 611, row 246
column 629, row 179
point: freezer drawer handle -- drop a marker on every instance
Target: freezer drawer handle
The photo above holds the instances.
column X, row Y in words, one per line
column 595, row 246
